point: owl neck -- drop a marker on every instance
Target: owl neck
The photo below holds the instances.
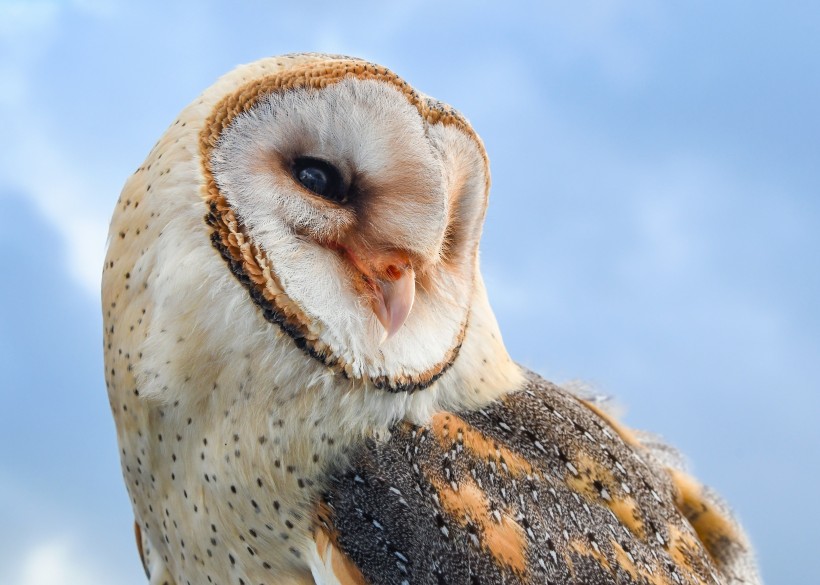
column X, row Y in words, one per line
column 484, row 370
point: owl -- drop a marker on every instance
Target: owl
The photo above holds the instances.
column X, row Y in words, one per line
column 309, row 384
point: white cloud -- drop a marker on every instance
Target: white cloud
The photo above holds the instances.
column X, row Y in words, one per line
column 37, row 166
column 48, row 540
column 55, row 562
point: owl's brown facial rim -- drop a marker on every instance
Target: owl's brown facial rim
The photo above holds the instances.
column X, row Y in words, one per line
column 392, row 234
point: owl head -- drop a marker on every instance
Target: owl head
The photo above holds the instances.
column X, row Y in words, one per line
column 340, row 204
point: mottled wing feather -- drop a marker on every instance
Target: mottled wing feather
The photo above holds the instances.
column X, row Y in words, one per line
column 717, row 529
column 329, row 565
column 539, row 487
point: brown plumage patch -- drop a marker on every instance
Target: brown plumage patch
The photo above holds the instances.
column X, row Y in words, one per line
column 626, row 435
column 644, row 573
column 715, row 530
column 626, row 510
column 138, row 535
column 451, row 430
column 624, row 560
column 503, row 538
column 683, row 547
column 587, row 549
column 340, row 564
column 597, row 483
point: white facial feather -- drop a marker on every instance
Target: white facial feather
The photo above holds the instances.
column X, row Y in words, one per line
column 366, row 129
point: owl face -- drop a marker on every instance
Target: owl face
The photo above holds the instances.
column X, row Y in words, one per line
column 350, row 207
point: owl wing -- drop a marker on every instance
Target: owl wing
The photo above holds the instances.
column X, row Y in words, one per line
column 538, row 487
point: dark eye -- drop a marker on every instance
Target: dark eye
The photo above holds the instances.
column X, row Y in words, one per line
column 320, row 177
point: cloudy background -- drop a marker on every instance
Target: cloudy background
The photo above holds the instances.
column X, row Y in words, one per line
column 654, row 227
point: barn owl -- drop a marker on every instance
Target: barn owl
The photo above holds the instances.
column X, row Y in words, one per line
column 309, row 384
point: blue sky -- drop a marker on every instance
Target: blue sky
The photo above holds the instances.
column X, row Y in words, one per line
column 654, row 226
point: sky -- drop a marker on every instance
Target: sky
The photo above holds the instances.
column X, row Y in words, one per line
column 653, row 230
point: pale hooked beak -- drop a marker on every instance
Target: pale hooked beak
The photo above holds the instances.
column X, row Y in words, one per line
column 394, row 295
column 389, row 282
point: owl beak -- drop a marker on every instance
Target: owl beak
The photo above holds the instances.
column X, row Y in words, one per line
column 395, row 291
column 388, row 281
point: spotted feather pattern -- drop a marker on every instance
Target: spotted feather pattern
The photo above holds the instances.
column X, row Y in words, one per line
column 538, row 487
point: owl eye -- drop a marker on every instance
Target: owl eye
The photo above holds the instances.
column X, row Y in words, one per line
column 321, row 178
